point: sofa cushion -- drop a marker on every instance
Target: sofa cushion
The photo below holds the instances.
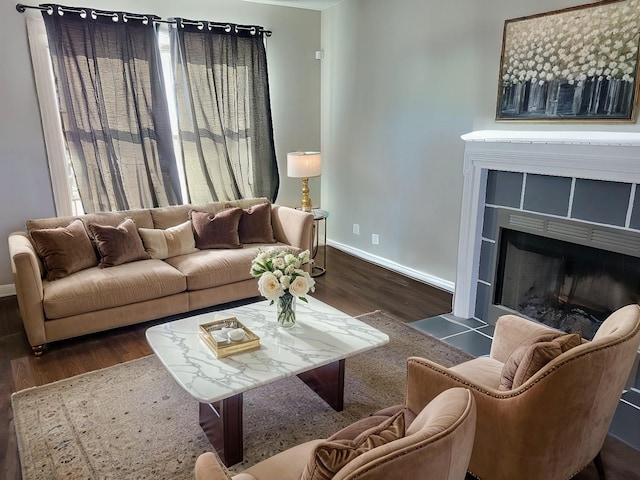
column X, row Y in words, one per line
column 165, row 217
column 168, row 243
column 96, row 289
column 118, row 245
column 216, row 230
column 141, row 217
column 330, row 456
column 255, row 225
column 64, row 250
column 212, row 268
column 485, row 371
column 533, row 354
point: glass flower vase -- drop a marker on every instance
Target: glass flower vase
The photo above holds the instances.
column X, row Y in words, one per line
column 286, row 310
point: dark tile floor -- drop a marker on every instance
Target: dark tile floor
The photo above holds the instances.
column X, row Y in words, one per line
column 468, row 334
column 474, row 336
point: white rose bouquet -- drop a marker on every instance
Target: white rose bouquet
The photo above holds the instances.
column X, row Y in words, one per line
column 280, row 272
column 281, row 277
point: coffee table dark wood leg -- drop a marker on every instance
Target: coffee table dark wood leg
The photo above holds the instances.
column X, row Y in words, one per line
column 328, row 382
column 222, row 423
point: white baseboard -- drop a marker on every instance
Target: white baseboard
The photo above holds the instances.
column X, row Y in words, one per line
column 7, row 290
column 437, row 282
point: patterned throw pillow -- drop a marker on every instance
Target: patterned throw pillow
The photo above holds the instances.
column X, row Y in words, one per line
column 168, row 243
column 216, row 230
column 533, row 354
column 118, row 245
column 330, row 456
column 64, row 250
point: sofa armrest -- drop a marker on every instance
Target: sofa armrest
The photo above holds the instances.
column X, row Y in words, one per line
column 427, row 379
column 293, row 227
column 510, row 331
column 208, row 467
column 27, row 275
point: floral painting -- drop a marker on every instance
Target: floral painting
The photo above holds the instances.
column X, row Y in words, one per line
column 575, row 64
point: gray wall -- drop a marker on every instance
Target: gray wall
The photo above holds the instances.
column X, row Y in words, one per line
column 401, row 81
column 25, row 190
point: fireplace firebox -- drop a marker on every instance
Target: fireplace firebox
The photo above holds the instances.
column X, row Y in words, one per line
column 565, row 274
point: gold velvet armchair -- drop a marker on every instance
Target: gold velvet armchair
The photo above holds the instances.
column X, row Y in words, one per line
column 553, row 423
column 436, row 446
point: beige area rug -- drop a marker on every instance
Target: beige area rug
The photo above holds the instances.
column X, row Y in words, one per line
column 132, row 421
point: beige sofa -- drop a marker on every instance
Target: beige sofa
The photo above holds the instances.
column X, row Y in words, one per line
column 96, row 299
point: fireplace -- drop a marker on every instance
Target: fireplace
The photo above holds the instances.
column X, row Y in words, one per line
column 578, row 188
column 568, row 275
column 585, row 177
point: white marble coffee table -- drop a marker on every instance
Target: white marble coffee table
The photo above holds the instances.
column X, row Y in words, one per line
column 314, row 349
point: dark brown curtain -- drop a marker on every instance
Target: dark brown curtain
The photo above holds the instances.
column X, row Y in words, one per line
column 113, row 106
column 224, row 112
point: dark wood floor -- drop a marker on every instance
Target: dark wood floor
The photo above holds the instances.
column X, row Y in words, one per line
column 350, row 284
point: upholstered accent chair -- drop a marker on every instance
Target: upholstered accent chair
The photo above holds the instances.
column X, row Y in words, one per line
column 544, row 405
column 436, row 445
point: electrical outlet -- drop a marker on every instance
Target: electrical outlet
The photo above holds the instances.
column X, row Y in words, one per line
column 375, row 239
column 356, row 229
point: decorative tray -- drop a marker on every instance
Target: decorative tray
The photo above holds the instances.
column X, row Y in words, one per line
column 216, row 336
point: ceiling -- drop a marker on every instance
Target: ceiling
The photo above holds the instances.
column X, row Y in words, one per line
column 308, row 4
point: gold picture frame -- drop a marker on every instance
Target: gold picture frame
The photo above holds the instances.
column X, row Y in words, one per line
column 576, row 64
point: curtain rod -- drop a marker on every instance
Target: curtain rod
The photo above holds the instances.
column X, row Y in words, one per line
column 226, row 26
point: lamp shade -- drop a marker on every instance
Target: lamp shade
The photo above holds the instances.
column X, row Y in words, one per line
column 304, row 164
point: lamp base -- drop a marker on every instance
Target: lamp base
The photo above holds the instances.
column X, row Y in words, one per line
column 306, row 201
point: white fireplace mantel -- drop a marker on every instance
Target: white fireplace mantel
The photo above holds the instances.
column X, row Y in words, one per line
column 610, row 156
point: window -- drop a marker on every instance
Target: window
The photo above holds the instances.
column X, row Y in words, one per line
column 164, row 44
column 65, row 192
column 262, row 169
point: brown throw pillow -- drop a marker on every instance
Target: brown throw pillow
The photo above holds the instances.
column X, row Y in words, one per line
column 350, row 432
column 539, row 354
column 64, row 250
column 330, row 456
column 216, row 231
column 512, row 363
column 255, row 225
column 533, row 354
column 118, row 245
column 168, row 243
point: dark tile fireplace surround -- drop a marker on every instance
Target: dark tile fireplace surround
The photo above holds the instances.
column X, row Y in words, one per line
column 548, row 251
column 556, row 222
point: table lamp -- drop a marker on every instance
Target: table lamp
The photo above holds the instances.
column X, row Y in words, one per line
column 304, row 165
